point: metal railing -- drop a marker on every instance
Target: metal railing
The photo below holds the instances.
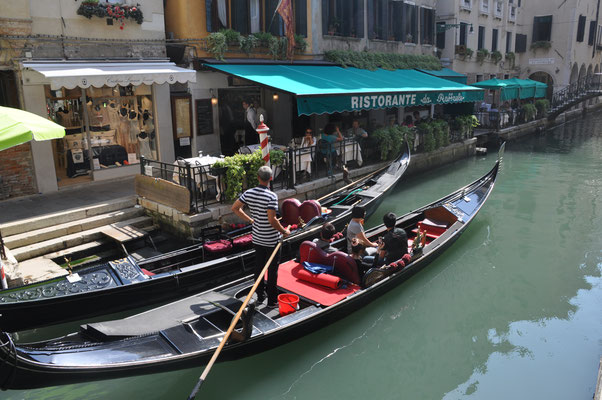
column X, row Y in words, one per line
column 585, row 87
column 207, row 185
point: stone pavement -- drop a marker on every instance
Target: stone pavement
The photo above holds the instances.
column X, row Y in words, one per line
column 67, row 198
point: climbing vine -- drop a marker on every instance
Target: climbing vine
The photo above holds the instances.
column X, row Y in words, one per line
column 374, row 60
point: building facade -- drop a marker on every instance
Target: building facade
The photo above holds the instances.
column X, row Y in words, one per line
column 555, row 42
column 359, row 25
column 99, row 70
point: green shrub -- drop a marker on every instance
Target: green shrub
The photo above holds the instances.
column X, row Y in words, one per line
column 374, row 60
column 248, row 43
column 264, row 38
column 495, row 56
column 482, row 54
column 217, row 45
column 530, row 111
column 542, row 106
column 300, row 43
column 232, row 36
column 390, row 141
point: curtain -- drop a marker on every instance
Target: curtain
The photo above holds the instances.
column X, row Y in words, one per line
column 255, row 19
column 221, row 12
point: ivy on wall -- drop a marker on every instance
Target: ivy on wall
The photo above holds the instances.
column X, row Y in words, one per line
column 118, row 13
column 390, row 61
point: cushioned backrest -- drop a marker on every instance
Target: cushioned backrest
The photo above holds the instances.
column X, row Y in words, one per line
column 344, row 265
column 290, row 212
column 309, row 209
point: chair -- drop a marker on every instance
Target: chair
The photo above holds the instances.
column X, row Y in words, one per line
column 215, row 243
column 290, row 211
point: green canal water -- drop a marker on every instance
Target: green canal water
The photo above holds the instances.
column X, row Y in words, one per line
column 510, row 311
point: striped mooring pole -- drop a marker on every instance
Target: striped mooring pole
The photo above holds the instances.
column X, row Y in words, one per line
column 262, row 129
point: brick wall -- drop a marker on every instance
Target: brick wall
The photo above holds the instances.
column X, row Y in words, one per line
column 16, row 172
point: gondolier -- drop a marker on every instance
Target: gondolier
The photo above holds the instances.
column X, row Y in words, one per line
column 263, row 204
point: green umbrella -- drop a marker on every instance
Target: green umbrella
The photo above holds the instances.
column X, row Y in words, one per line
column 18, row 126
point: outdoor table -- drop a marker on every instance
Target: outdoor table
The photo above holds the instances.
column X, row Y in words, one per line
column 351, row 151
column 204, row 161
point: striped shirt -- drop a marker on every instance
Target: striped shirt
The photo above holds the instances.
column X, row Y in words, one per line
column 260, row 199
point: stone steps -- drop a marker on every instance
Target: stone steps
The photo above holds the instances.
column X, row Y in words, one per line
column 75, row 239
column 59, row 230
column 49, row 220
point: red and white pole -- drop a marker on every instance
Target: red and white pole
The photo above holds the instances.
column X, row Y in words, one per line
column 262, row 130
column 3, row 275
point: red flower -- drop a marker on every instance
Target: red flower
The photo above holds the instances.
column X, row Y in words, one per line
column 121, row 27
column 133, row 8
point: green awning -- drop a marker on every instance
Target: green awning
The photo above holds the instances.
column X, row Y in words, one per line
column 323, row 89
column 446, row 73
column 527, row 89
column 541, row 89
column 508, row 90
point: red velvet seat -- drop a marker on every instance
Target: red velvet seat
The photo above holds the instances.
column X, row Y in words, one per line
column 309, row 209
column 243, row 241
column 289, row 210
column 344, row 265
column 217, row 247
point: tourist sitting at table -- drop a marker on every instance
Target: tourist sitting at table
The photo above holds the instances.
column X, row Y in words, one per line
column 417, row 118
column 324, row 241
column 356, row 131
column 331, row 135
column 408, row 121
column 308, row 139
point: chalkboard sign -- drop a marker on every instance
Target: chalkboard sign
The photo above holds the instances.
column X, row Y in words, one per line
column 204, row 117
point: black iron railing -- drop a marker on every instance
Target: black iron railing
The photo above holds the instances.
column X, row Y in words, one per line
column 587, row 86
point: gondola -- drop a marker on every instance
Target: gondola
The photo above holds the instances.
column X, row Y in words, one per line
column 185, row 333
column 125, row 284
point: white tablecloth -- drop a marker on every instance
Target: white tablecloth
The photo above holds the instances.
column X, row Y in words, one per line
column 351, row 152
column 303, row 159
column 199, row 161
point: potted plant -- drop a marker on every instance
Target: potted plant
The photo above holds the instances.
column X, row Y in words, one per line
column 495, row 56
column 481, row 55
column 409, row 38
column 541, row 44
column 217, row 45
column 469, row 52
column 510, row 57
column 248, row 43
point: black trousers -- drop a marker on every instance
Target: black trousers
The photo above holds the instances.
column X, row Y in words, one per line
column 262, row 255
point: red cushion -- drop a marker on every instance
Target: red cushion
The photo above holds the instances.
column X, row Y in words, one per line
column 406, row 258
column 309, row 209
column 290, row 212
column 243, row 241
column 327, row 280
column 218, row 246
column 147, row 272
column 432, row 228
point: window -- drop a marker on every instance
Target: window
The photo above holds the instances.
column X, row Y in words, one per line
column 499, row 9
column 581, row 28
column 250, row 16
column 441, row 35
column 508, row 42
column 494, row 40
column 485, row 6
column 410, row 23
column 463, row 32
column 479, row 78
column 521, row 43
column 512, row 14
column 343, row 18
column 380, row 26
column 427, row 25
column 481, row 39
column 466, row 4
column 592, row 33
column 542, row 28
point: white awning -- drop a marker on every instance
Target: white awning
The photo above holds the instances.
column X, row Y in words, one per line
column 71, row 75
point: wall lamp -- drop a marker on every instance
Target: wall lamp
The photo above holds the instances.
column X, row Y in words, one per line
column 213, row 98
column 275, row 96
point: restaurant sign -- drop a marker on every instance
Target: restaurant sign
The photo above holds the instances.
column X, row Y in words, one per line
column 330, row 104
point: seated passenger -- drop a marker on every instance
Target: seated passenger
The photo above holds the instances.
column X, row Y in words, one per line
column 324, row 241
column 355, row 229
column 357, row 251
column 394, row 243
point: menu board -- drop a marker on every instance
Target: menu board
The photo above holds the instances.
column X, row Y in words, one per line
column 204, row 117
column 181, row 114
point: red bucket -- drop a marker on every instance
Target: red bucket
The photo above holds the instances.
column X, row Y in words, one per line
column 287, row 303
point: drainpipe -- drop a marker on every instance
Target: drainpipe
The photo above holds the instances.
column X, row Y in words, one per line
column 596, row 31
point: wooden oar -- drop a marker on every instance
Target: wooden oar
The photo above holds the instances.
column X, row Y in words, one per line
column 197, row 387
column 354, row 182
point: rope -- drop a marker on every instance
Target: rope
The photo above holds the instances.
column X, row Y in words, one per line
column 346, row 197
